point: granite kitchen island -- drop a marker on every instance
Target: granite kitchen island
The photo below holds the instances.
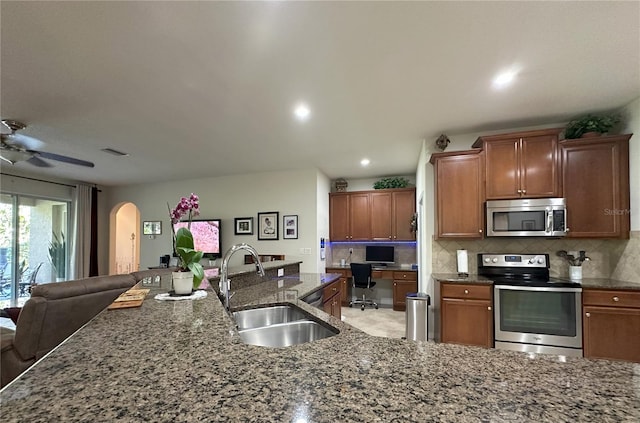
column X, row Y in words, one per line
column 183, row 361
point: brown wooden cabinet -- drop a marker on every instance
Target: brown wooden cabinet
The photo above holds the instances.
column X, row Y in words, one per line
column 331, row 299
column 345, row 283
column 459, row 194
column 349, row 216
column 403, row 284
column 466, row 314
column 595, row 179
column 378, row 215
column 611, row 324
column 521, row 164
column 403, row 203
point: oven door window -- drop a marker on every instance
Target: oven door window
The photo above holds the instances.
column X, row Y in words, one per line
column 539, row 312
column 512, row 221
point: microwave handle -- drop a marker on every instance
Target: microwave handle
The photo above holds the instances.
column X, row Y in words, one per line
column 549, row 221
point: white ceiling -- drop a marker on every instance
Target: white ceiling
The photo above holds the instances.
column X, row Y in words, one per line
column 195, row 89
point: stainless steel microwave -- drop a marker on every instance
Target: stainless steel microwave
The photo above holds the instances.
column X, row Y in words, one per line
column 527, row 217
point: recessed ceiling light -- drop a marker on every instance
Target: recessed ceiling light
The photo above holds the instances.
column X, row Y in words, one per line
column 302, row 111
column 365, row 162
column 504, row 79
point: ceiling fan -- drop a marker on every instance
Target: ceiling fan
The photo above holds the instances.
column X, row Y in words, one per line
column 16, row 148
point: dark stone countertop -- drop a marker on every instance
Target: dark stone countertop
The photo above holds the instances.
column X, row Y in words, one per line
column 455, row 278
column 182, row 361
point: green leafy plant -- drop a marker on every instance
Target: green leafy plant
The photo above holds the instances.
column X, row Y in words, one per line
column 183, row 239
column 395, row 182
column 590, row 123
column 58, row 255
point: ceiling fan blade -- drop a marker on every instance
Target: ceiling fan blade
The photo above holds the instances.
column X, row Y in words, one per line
column 23, row 141
column 64, row 159
column 36, row 161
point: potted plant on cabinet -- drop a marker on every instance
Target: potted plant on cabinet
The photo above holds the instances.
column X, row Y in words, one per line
column 590, row 125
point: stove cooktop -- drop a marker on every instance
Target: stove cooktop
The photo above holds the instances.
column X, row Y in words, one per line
column 520, row 270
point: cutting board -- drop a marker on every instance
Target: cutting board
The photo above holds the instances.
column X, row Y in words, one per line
column 130, row 298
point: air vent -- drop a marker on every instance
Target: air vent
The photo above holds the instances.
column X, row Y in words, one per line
column 114, row 152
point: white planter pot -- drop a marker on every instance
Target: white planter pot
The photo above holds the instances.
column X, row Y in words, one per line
column 575, row 273
column 182, row 282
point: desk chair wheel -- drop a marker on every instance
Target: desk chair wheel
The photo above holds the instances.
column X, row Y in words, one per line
column 362, row 307
column 376, row 306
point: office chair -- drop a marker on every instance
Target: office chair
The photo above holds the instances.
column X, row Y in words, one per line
column 361, row 278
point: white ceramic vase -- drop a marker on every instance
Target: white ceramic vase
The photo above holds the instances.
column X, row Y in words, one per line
column 575, row 273
column 182, row 282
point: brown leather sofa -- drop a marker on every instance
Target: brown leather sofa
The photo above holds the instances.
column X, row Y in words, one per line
column 52, row 314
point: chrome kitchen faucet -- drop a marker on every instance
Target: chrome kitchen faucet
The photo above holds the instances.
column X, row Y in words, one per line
column 225, row 283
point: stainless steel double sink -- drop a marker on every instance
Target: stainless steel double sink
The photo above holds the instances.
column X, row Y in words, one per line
column 280, row 325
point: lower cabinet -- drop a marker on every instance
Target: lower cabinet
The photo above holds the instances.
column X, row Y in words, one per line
column 403, row 284
column 611, row 324
column 466, row 314
column 332, row 298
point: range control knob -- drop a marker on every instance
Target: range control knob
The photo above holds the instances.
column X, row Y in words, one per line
column 495, row 259
column 487, row 259
column 540, row 260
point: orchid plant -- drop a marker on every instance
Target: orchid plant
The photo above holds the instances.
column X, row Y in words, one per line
column 183, row 239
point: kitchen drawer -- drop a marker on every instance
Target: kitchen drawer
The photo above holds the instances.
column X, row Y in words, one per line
column 406, row 276
column 330, row 290
column 382, row 274
column 479, row 292
column 344, row 272
column 611, row 298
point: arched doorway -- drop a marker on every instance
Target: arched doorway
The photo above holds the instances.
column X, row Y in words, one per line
column 124, row 239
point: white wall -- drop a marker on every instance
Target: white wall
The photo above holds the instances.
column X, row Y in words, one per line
column 322, row 190
column 228, row 197
column 632, row 119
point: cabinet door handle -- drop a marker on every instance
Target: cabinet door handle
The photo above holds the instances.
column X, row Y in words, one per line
column 519, row 191
column 466, row 291
column 489, row 308
column 588, row 314
column 616, row 299
column 479, row 230
column 335, row 289
column 524, row 191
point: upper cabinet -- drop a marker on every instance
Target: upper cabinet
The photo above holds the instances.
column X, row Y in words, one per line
column 349, row 216
column 521, row 164
column 595, row 177
column 459, row 194
column 377, row 215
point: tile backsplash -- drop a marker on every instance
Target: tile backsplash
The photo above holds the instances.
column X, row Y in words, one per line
column 616, row 259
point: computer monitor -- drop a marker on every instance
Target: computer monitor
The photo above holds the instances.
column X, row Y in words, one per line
column 379, row 254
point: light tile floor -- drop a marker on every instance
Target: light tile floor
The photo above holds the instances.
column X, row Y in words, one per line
column 383, row 322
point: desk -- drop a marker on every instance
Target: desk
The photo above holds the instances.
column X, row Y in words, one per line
column 404, row 281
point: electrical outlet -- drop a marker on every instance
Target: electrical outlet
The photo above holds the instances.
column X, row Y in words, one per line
column 281, row 281
column 280, row 272
column 350, row 250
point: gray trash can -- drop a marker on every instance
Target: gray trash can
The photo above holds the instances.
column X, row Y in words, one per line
column 417, row 316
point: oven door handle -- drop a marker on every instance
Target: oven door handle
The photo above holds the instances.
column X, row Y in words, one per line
column 537, row 288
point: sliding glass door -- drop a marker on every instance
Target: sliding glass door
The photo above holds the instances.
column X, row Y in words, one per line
column 33, row 245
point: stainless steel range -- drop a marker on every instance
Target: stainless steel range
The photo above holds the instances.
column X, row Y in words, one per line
column 533, row 312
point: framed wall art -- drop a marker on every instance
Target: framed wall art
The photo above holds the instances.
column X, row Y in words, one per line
column 290, row 226
column 152, row 227
column 268, row 225
column 244, row 225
